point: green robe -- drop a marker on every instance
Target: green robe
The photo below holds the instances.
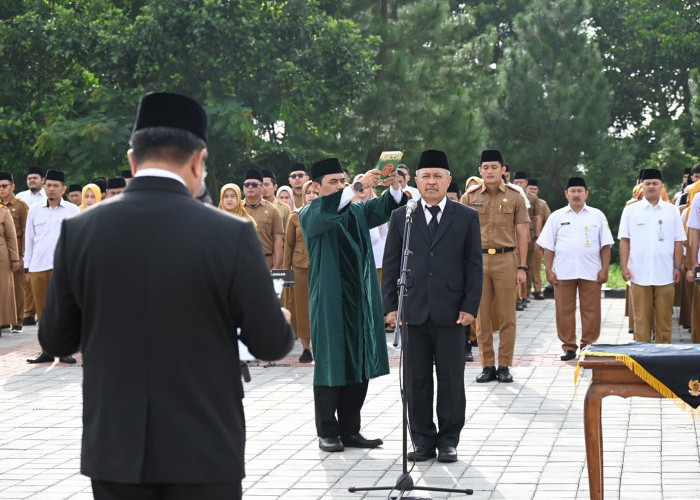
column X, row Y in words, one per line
column 345, row 303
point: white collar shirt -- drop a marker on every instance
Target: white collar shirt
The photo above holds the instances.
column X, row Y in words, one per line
column 32, row 199
column 576, row 240
column 160, row 172
column 42, row 232
column 694, row 217
column 653, row 232
column 428, row 215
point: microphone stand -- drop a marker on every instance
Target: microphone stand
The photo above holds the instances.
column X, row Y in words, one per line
column 404, row 482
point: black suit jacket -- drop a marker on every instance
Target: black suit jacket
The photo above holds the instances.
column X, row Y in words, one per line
column 446, row 273
column 151, row 287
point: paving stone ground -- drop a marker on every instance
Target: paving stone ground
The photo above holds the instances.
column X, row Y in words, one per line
column 522, row 440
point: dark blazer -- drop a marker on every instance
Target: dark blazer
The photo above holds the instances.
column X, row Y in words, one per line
column 446, row 273
column 151, row 287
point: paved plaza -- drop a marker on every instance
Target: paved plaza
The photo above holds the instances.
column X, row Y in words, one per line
column 521, row 441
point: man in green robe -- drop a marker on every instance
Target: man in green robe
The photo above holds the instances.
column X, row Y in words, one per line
column 345, row 303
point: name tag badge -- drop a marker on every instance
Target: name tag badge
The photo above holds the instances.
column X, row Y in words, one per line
column 564, row 223
column 477, row 204
column 697, row 275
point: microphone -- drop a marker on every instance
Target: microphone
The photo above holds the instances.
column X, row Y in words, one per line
column 411, row 207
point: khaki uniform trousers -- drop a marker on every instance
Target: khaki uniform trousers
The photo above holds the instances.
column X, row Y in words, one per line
column 653, row 302
column 301, row 302
column 695, row 315
column 40, row 287
column 685, row 316
column 500, row 271
column 534, row 272
column 29, row 306
column 19, row 280
column 565, row 307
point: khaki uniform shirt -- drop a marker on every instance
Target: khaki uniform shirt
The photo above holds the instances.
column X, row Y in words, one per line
column 498, row 214
column 534, row 210
column 285, row 211
column 269, row 222
column 19, row 211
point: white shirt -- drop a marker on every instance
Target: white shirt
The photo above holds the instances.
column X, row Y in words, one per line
column 522, row 193
column 159, row 172
column 32, row 199
column 652, row 231
column 378, row 237
column 42, row 232
column 349, row 195
column 576, row 240
column 428, row 215
column 694, row 217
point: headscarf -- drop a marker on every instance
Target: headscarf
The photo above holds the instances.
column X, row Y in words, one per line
column 239, row 210
column 291, row 195
column 475, row 179
column 95, row 190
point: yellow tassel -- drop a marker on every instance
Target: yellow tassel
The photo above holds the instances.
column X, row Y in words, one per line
column 647, row 377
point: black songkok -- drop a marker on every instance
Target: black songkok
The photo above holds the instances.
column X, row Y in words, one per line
column 326, row 166
column 491, row 155
column 127, row 174
column 520, row 175
column 75, row 187
column 432, row 158
column 254, row 174
column 163, row 109
column 532, row 182
column 576, row 182
column 6, row 176
column 297, row 167
column 36, row 170
column 116, row 183
column 100, row 182
column 270, row 174
column 652, row 173
column 56, row 175
column 453, row 188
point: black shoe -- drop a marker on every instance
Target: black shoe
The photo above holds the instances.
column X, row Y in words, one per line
column 359, row 441
column 16, row 329
column 41, row 358
column 306, row 357
column 330, row 444
column 538, row 296
column 468, row 356
column 29, row 321
column 526, row 300
column 631, row 330
column 523, row 303
column 568, row 355
column 503, row 374
column 447, row 454
column 421, row 454
column 69, row 360
column 519, row 306
column 487, row 375
column 475, row 343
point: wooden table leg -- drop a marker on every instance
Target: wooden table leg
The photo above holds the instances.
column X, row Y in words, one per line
column 593, row 433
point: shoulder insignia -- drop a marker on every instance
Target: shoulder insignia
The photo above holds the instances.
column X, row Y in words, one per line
column 473, row 188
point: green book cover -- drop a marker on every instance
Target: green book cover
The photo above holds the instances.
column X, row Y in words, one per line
column 388, row 161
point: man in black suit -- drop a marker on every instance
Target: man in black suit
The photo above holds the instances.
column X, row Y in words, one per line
column 162, row 412
column 444, row 290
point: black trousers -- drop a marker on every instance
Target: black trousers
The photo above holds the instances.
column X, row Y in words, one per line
column 346, row 401
column 108, row 490
column 443, row 345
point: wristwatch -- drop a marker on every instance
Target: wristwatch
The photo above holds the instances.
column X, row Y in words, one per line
column 524, row 268
column 358, row 187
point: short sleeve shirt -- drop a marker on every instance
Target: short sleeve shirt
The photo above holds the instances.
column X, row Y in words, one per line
column 269, row 223
column 653, row 232
column 694, row 217
column 498, row 214
column 576, row 240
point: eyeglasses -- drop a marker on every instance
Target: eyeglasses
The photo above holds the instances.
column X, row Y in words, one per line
column 251, row 184
column 296, row 176
column 4, row 186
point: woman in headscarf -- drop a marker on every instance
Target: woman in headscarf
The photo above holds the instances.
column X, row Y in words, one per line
column 9, row 262
column 231, row 201
column 286, row 195
column 91, row 196
column 296, row 257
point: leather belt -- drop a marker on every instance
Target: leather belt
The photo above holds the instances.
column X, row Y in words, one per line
column 494, row 251
column 268, row 255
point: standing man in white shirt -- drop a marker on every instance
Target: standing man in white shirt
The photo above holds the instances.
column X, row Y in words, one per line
column 40, row 238
column 35, row 195
column 651, row 237
column 693, row 261
column 576, row 240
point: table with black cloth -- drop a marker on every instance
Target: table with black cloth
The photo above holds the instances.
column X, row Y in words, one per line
column 634, row 369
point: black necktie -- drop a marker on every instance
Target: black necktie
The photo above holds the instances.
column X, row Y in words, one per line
column 433, row 224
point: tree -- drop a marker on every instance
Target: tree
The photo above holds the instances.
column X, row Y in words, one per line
column 552, row 111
